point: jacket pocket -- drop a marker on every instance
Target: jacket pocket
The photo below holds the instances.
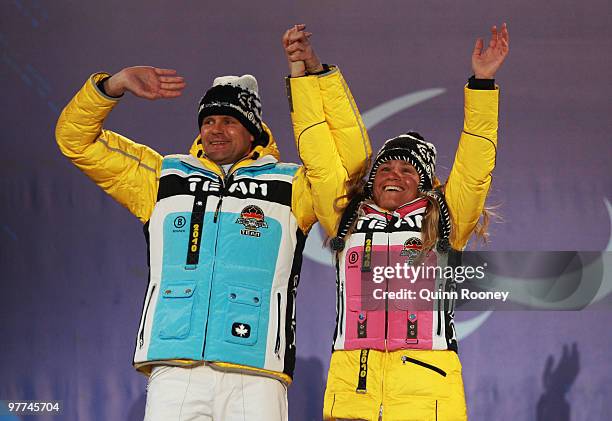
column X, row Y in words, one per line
column 362, row 323
column 175, row 308
column 242, row 315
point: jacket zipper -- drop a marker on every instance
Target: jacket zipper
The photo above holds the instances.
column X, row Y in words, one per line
column 144, row 320
column 218, row 208
column 339, row 296
column 222, row 192
column 388, row 230
column 341, row 316
column 451, row 309
column 440, row 302
column 278, row 323
column 423, row 364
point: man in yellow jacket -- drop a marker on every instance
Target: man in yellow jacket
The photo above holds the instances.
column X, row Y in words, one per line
column 225, row 226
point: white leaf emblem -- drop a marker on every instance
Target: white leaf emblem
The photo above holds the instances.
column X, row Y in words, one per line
column 241, row 330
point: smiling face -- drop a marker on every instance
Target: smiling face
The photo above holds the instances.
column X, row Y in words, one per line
column 396, row 183
column 225, row 139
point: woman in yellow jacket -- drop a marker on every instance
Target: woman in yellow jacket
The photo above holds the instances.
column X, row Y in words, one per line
column 395, row 358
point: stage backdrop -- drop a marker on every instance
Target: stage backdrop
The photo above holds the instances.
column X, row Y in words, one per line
column 73, row 262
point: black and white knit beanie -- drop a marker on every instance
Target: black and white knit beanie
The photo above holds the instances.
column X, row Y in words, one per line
column 236, row 96
column 412, row 148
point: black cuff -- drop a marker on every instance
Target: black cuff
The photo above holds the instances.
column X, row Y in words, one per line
column 100, row 86
column 325, row 70
column 481, row 84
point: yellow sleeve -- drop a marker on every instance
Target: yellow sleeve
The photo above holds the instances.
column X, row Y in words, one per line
column 470, row 178
column 301, row 201
column 345, row 124
column 318, row 135
column 126, row 170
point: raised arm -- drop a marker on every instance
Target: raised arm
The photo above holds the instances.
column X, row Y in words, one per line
column 124, row 169
column 470, row 178
column 145, row 82
column 486, row 62
column 331, row 138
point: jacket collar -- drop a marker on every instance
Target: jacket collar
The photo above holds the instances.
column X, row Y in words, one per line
column 417, row 205
column 259, row 156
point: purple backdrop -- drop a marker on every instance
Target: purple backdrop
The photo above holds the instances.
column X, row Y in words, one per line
column 73, row 262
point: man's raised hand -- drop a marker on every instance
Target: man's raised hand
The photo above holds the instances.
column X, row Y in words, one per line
column 145, row 82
